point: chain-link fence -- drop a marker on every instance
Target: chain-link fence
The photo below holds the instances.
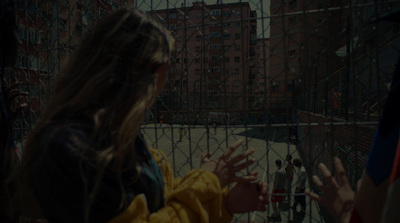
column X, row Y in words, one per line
column 306, row 78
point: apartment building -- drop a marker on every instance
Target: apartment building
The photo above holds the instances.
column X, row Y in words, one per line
column 49, row 32
column 213, row 58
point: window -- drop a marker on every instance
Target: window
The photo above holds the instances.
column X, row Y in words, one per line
column 33, row 62
column 227, row 36
column 172, row 15
column 197, row 71
column 62, row 23
column 236, row 71
column 214, row 58
column 237, row 47
column 227, row 59
column 214, row 69
column 114, row 5
column 290, row 88
column 32, row 7
column 216, row 12
column 237, row 36
column 213, row 93
column 227, row 14
column 227, row 25
column 199, row 16
column 215, row 35
column 198, row 38
column 64, row 3
column 237, row 24
column 292, row 53
column 292, row 20
column 197, row 60
column 226, row 47
column 165, row 92
column 198, row 48
column 33, row 36
column 62, row 47
column 237, row 59
column 236, row 83
column 292, row 3
column 292, row 38
column 21, row 34
column 275, row 88
column 102, row 13
column 22, row 61
column 28, row 87
column 215, row 46
column 172, row 26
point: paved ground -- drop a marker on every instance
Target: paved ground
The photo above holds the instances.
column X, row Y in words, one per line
column 185, row 155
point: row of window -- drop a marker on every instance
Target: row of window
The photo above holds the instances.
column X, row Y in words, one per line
column 235, row 71
column 215, row 46
column 275, row 88
column 213, row 58
column 217, row 12
column 31, row 61
column 218, row 35
column 29, row 34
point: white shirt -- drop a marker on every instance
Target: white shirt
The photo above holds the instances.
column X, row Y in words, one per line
column 301, row 174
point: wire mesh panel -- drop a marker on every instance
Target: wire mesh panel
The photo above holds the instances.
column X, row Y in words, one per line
column 306, row 78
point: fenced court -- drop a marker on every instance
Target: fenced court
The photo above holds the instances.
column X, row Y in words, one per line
column 300, row 77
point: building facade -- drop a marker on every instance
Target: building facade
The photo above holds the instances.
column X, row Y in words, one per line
column 214, row 57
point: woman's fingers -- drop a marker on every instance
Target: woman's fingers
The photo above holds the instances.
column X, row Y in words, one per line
column 317, row 182
column 340, row 172
column 313, row 195
column 320, row 185
column 227, row 154
column 241, row 156
column 264, row 188
column 328, row 175
column 243, row 165
column 205, row 157
column 243, row 179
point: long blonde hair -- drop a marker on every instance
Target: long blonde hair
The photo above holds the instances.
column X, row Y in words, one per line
column 111, row 80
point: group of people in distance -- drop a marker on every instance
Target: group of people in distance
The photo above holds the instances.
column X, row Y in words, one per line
column 85, row 160
column 282, row 186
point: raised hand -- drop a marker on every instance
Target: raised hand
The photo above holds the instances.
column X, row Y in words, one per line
column 226, row 167
column 338, row 196
column 246, row 197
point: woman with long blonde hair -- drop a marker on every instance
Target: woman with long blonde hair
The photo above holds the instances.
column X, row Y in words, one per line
column 85, row 160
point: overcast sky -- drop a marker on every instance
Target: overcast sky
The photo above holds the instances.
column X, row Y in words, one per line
column 146, row 5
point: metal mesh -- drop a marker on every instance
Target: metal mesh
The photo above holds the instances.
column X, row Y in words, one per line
column 306, row 78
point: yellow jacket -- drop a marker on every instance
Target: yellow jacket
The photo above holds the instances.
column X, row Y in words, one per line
column 197, row 197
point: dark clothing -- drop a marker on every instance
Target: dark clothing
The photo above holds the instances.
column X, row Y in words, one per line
column 300, row 199
column 64, row 177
